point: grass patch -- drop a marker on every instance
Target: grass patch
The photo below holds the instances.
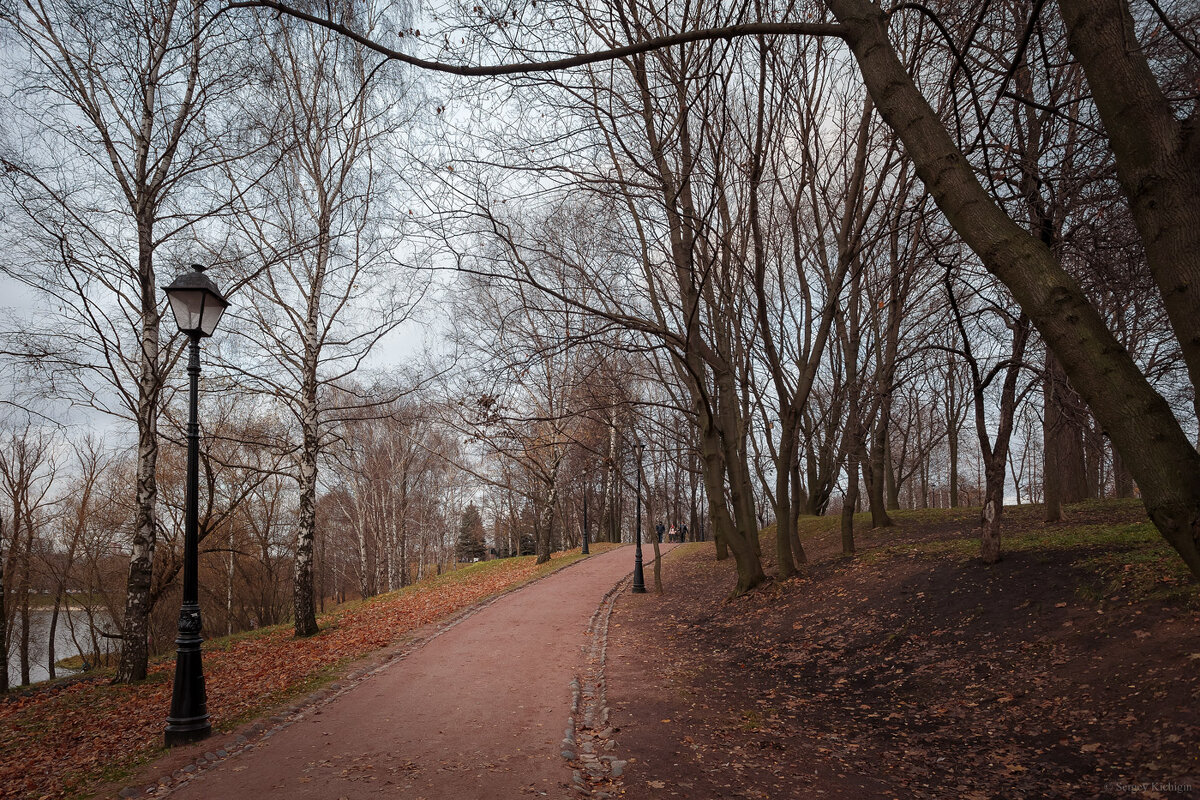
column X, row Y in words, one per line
column 1118, row 551
column 751, row 720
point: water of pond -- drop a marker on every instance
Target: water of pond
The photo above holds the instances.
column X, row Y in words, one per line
column 39, row 634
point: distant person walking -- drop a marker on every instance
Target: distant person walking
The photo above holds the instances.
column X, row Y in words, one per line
column 659, row 529
column 683, row 532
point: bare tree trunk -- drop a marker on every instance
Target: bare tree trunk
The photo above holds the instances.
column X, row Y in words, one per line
column 229, row 586
column 891, row 486
column 404, row 544
column 849, row 501
column 303, row 603
column 694, row 521
column 794, row 523
column 547, row 514
column 923, row 469
column 25, row 582
column 650, row 516
column 50, row 655
column 608, row 512
column 24, row 590
column 135, row 650
column 785, row 502
column 3, row 614
column 545, row 521
column 716, row 520
column 1122, row 480
column 1064, row 477
column 952, row 431
column 731, row 537
column 360, row 528
column 993, row 505
column 1052, row 424
column 873, row 467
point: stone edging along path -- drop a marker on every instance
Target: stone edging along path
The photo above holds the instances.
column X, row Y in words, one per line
column 588, row 743
column 588, row 740
column 248, row 737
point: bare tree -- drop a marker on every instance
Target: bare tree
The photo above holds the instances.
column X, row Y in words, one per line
column 1148, row 128
column 123, row 112
column 332, row 287
column 27, row 472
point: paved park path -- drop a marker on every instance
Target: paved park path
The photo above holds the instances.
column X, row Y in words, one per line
column 476, row 713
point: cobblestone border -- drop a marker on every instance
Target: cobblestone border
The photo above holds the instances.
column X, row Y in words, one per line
column 588, row 742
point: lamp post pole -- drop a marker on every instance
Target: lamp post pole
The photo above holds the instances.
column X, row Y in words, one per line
column 188, row 720
column 639, row 577
column 585, row 524
column 197, row 305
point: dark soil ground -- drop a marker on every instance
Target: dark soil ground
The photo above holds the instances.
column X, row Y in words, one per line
column 1071, row 669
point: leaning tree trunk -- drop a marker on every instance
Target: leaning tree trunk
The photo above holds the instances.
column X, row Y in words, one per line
column 1140, row 422
column 1157, row 157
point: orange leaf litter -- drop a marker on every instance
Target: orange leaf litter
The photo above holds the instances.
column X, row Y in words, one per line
column 56, row 740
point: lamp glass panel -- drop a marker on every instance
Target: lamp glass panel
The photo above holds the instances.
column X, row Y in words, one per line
column 214, row 307
column 187, row 305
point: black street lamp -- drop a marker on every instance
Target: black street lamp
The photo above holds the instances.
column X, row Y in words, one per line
column 197, row 305
column 585, row 525
column 639, row 577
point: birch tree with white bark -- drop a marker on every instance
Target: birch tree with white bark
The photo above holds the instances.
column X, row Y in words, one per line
column 115, row 123
column 324, row 227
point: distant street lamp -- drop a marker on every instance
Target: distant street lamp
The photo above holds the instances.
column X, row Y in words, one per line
column 585, row 525
column 197, row 305
column 639, row 578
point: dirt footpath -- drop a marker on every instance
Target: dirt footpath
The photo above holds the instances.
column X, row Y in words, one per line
column 478, row 712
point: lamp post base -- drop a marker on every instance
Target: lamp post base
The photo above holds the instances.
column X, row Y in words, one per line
column 639, row 578
column 179, row 732
column 188, row 720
